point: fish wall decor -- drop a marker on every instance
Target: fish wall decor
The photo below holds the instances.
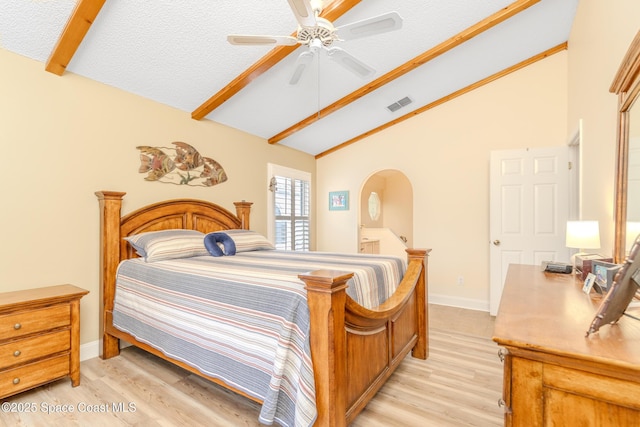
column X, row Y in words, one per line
column 180, row 165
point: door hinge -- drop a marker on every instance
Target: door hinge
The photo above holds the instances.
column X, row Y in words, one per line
column 570, row 165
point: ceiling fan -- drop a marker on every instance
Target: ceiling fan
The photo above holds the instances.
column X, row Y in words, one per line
column 319, row 33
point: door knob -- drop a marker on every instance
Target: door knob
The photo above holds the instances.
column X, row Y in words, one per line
column 496, row 242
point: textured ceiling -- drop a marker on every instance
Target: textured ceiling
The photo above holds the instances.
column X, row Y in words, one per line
column 175, row 52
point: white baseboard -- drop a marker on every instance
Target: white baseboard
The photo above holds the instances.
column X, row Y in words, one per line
column 89, row 350
column 92, row 349
column 468, row 303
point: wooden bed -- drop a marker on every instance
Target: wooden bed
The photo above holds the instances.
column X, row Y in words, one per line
column 343, row 333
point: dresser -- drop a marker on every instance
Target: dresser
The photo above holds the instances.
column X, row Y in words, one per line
column 553, row 373
column 39, row 337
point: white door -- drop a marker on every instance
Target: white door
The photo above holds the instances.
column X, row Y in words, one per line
column 529, row 201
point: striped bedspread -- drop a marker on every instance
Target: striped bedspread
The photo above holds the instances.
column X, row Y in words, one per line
column 243, row 319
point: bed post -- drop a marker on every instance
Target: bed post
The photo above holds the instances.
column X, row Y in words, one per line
column 243, row 210
column 110, row 204
column 326, row 295
column 421, row 349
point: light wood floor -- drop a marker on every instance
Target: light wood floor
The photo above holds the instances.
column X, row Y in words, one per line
column 459, row 385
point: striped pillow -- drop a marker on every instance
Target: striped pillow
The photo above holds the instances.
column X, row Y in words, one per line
column 168, row 244
column 247, row 240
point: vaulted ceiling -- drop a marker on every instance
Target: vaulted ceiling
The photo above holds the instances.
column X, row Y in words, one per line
column 176, row 52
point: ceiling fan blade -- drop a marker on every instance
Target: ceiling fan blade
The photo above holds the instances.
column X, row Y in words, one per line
column 302, row 63
column 386, row 22
column 248, row 40
column 304, row 13
column 350, row 62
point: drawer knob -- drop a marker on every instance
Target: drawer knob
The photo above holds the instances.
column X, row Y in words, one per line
column 17, row 326
column 16, row 381
column 17, row 353
column 502, row 404
column 502, row 353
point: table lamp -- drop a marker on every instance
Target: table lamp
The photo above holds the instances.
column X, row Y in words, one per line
column 583, row 235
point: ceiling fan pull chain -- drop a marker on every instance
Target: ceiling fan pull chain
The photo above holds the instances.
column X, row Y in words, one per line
column 318, row 86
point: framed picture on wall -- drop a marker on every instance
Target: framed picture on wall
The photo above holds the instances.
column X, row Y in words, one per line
column 339, row 201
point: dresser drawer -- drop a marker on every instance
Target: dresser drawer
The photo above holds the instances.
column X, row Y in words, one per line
column 28, row 349
column 28, row 376
column 31, row 321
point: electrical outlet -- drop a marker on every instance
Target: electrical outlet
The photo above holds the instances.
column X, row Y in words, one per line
column 460, row 281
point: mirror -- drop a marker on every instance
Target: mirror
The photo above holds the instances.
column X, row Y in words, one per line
column 627, row 206
column 374, row 206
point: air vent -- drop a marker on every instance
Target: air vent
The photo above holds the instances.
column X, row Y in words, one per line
column 399, row 104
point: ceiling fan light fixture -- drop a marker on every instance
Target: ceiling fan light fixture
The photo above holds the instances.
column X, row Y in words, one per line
column 323, row 32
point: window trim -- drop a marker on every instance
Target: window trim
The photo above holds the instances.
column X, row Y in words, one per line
column 278, row 170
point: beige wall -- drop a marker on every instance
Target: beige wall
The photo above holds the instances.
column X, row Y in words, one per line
column 64, row 138
column 600, row 36
column 445, row 151
column 445, row 154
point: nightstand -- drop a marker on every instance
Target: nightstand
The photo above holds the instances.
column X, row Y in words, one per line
column 39, row 337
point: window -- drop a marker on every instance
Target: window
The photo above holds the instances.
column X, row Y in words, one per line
column 290, row 197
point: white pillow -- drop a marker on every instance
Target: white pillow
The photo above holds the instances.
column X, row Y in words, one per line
column 248, row 240
column 168, row 244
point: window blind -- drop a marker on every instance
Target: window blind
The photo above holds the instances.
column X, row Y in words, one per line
column 291, row 213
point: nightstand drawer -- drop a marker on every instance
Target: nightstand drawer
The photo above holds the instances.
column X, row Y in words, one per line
column 16, row 380
column 31, row 321
column 39, row 337
column 28, row 349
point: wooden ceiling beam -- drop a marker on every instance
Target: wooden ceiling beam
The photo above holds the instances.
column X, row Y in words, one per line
column 332, row 11
column 79, row 23
column 491, row 78
column 480, row 27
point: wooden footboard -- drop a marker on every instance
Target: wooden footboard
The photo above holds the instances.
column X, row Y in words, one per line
column 354, row 349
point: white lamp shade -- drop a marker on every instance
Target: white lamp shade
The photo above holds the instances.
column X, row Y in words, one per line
column 633, row 230
column 583, row 234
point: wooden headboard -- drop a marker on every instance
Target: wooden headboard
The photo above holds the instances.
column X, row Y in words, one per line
column 188, row 214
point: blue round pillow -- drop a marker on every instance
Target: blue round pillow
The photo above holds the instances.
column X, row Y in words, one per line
column 212, row 242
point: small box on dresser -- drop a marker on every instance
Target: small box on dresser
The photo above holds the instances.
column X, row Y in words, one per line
column 39, row 337
column 584, row 264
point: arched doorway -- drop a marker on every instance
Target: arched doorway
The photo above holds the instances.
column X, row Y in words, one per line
column 386, row 213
